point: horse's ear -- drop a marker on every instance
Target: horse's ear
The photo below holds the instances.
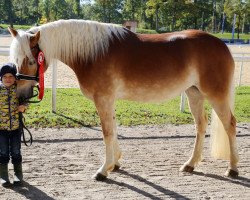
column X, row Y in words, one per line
column 13, row 32
column 35, row 38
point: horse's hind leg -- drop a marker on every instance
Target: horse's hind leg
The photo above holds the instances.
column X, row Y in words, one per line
column 105, row 108
column 225, row 143
column 196, row 105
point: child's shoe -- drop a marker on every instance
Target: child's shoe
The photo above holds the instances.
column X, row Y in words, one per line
column 4, row 176
column 18, row 174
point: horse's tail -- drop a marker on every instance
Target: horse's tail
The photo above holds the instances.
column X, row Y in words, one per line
column 220, row 148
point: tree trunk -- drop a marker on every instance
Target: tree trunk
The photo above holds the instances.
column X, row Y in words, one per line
column 173, row 19
column 214, row 17
column 238, row 29
column 157, row 18
column 78, row 8
column 9, row 7
column 243, row 23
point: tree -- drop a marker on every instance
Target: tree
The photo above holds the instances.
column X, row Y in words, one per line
column 135, row 10
column 172, row 14
column 174, row 10
column 200, row 14
column 59, row 9
column 34, row 12
column 132, row 9
column 77, row 8
column 9, row 13
column 46, row 10
column 74, row 9
column 108, row 11
column 2, row 12
column 25, row 12
column 240, row 8
column 162, row 15
column 87, row 11
column 153, row 7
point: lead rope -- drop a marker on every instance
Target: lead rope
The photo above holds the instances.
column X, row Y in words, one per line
column 22, row 127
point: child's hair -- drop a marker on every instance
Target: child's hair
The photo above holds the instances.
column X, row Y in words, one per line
column 8, row 68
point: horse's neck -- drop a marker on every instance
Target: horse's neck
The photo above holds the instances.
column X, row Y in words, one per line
column 51, row 45
column 66, row 42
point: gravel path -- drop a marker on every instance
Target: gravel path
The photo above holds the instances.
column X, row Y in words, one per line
column 60, row 164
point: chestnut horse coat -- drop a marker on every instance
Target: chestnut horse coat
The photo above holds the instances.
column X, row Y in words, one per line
column 112, row 63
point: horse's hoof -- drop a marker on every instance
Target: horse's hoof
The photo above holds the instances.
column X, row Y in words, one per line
column 99, row 177
column 187, row 168
column 232, row 173
column 116, row 168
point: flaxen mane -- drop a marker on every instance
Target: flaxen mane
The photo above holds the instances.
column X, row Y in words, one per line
column 65, row 39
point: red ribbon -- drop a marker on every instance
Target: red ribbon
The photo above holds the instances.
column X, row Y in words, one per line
column 40, row 60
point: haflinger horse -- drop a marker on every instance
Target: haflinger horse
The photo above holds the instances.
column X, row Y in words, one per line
column 111, row 63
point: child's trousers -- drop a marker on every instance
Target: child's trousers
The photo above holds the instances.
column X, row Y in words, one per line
column 10, row 147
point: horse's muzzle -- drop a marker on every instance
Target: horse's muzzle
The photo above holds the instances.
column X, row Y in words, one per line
column 25, row 93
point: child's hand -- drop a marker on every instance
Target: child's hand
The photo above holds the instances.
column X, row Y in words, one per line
column 21, row 108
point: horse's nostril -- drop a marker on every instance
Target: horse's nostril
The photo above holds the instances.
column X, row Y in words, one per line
column 25, row 92
column 31, row 62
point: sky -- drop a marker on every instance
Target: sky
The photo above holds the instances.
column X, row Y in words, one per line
column 87, row 1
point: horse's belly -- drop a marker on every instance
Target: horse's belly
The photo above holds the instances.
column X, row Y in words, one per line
column 155, row 93
column 146, row 95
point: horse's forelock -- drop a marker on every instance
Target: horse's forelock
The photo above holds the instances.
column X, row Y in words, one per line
column 20, row 48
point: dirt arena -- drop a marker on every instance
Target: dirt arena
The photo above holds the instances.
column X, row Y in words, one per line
column 60, row 163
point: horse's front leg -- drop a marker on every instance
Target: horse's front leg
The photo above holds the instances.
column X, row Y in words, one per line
column 105, row 108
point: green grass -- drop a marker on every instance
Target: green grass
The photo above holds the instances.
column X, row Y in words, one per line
column 229, row 36
column 242, row 104
column 74, row 110
column 23, row 27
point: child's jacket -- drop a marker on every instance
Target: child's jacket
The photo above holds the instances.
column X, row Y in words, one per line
column 8, row 108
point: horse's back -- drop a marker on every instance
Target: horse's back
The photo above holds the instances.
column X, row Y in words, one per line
column 163, row 65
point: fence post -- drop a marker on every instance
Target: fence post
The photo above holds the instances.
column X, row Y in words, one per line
column 54, row 83
column 241, row 67
column 182, row 106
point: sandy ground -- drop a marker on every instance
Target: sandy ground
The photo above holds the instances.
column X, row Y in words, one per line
column 60, row 163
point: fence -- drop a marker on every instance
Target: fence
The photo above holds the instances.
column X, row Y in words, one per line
column 4, row 50
column 238, row 57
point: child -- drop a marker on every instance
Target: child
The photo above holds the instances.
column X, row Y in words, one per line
column 10, row 136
